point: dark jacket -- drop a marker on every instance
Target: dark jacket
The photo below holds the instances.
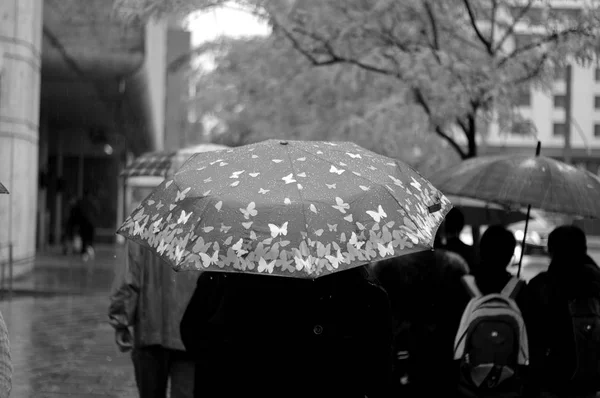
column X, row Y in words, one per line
column 152, row 299
column 428, row 299
column 268, row 336
column 545, row 310
column 455, row 245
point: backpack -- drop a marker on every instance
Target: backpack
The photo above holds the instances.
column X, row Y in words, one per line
column 491, row 344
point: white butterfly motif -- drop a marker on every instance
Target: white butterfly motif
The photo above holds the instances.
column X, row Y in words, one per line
column 237, row 247
column 159, row 205
column 385, row 250
column 378, row 215
column 334, row 169
column 224, row 228
column 341, row 206
column 207, row 180
column 353, row 155
column 208, row 229
column 207, row 260
column 289, row 179
column 277, row 160
column 263, row 191
column 178, row 253
column 313, row 208
column 354, row 241
column 263, row 265
column 254, row 174
column 331, row 186
column 415, row 183
column 181, row 194
column 218, row 205
column 332, row 227
column 247, row 225
column 249, row 211
column 302, row 264
column 162, row 246
column 216, row 161
column 139, row 229
column 303, row 174
column 183, row 218
column 276, row 231
column 301, row 159
column 396, row 181
column 335, row 260
column 236, row 174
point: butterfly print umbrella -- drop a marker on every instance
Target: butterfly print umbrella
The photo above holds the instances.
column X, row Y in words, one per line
column 291, row 208
column 3, row 189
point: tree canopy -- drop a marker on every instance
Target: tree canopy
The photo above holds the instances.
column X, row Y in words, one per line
column 462, row 62
column 262, row 88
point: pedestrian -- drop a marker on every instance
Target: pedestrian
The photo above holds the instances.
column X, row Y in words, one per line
column 152, row 299
column 427, row 299
column 454, row 223
column 496, row 251
column 87, row 222
column 6, row 368
column 271, row 336
column 562, row 312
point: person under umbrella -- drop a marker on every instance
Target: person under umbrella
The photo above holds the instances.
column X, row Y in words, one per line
column 264, row 215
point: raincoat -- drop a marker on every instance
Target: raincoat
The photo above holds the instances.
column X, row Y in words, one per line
column 152, row 299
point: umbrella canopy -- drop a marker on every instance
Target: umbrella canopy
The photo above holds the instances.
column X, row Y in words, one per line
column 290, row 208
column 520, row 181
column 162, row 164
column 3, row 189
column 479, row 212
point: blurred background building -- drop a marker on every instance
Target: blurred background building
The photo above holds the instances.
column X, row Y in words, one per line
column 81, row 93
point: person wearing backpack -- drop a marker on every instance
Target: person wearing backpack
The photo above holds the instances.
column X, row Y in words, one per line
column 562, row 312
column 491, row 345
column 270, row 336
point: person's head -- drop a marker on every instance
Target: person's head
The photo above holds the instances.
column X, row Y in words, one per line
column 567, row 241
column 497, row 247
column 454, row 222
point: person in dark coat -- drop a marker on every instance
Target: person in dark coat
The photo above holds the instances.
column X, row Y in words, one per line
column 496, row 250
column 270, row 336
column 454, row 223
column 428, row 298
column 572, row 274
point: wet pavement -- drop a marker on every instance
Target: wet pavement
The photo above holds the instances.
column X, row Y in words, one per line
column 61, row 343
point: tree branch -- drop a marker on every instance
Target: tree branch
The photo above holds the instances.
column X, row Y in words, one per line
column 473, row 20
column 436, row 43
column 509, row 32
column 547, row 39
column 493, row 22
column 420, row 99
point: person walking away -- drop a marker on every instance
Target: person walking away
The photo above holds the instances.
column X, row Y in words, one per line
column 562, row 312
column 427, row 299
column 496, row 251
column 87, row 220
column 454, row 223
column 491, row 345
column 270, row 336
column 152, row 299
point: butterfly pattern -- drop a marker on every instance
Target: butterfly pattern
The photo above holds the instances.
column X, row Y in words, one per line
column 244, row 210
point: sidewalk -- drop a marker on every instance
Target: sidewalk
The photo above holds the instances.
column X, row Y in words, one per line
column 61, row 343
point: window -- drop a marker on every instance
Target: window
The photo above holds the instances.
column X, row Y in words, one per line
column 597, row 130
column 560, row 101
column 524, row 98
column 560, row 72
column 523, row 127
column 597, row 102
column 597, row 74
column 558, row 129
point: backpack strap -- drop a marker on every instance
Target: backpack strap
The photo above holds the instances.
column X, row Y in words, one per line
column 469, row 282
column 512, row 288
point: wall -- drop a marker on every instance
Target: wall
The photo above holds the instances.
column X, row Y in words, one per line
column 178, row 44
column 20, row 44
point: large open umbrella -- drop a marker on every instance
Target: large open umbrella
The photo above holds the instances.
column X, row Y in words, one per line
column 3, row 189
column 290, row 208
column 524, row 181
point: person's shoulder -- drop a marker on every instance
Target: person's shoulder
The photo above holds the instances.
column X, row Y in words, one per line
column 453, row 261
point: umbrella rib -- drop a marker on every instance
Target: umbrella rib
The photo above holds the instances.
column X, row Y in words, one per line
column 299, row 193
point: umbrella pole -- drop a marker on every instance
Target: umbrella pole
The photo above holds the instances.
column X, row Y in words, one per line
column 524, row 241
column 538, row 149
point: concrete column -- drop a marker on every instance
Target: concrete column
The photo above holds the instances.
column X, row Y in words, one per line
column 20, row 43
